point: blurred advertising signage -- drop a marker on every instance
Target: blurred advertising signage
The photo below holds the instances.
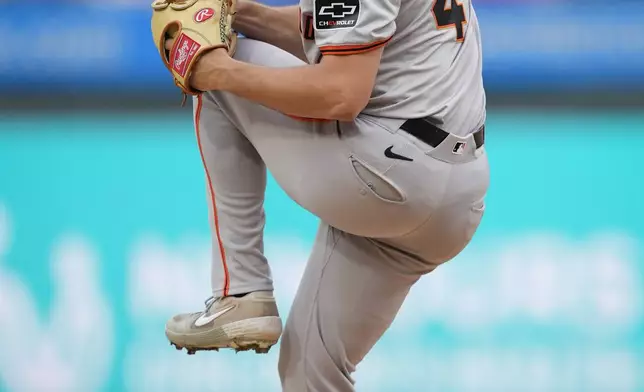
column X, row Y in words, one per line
column 525, row 46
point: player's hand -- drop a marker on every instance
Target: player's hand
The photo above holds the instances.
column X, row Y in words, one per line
column 208, row 73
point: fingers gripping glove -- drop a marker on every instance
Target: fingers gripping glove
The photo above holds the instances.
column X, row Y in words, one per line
column 196, row 26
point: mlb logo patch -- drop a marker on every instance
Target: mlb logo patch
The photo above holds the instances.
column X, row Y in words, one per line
column 459, row 148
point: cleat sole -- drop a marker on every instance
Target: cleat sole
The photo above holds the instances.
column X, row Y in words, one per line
column 258, row 347
column 256, row 334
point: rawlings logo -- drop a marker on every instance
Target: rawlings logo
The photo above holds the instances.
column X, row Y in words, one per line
column 204, row 14
column 183, row 53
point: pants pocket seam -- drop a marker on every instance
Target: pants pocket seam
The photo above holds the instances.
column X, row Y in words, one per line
column 381, row 177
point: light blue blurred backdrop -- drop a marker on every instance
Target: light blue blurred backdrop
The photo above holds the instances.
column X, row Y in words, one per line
column 103, row 235
column 538, row 45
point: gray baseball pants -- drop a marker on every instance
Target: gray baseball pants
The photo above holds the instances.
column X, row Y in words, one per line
column 385, row 222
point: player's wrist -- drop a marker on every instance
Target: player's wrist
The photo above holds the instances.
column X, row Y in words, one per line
column 212, row 70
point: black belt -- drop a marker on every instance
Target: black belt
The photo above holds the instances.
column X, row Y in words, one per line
column 432, row 135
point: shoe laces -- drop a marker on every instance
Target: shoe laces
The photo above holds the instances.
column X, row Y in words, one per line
column 209, row 302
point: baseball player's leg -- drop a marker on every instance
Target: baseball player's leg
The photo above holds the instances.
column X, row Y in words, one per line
column 353, row 286
column 350, row 293
column 236, row 181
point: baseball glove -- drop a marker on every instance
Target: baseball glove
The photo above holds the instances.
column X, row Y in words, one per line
column 196, row 26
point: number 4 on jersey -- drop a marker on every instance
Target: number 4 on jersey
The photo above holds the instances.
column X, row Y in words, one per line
column 450, row 13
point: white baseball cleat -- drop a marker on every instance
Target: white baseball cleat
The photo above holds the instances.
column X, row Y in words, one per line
column 251, row 322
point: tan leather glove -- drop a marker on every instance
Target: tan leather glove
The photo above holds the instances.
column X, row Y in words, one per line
column 196, row 26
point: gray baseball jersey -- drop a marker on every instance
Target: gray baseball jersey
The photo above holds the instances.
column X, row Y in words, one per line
column 431, row 64
column 386, row 219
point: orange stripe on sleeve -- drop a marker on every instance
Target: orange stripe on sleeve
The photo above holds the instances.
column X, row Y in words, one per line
column 222, row 251
column 352, row 49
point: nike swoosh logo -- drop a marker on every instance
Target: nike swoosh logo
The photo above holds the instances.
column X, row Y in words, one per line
column 393, row 155
column 203, row 319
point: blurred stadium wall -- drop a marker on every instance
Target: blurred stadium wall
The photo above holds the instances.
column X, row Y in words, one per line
column 104, row 232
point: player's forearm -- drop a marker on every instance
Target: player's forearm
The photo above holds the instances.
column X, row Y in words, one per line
column 304, row 91
column 278, row 26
